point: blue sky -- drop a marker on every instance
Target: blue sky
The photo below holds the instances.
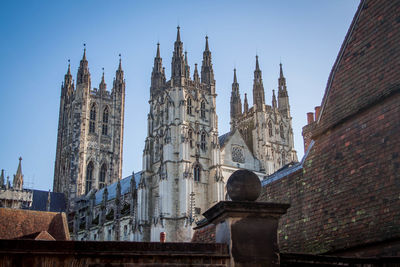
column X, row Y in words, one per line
column 38, row 37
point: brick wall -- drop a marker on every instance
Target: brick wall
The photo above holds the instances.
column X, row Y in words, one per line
column 348, row 192
column 90, row 253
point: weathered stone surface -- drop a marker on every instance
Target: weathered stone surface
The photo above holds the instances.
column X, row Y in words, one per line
column 243, row 185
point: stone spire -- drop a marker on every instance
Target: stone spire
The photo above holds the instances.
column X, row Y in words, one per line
column 273, row 99
column 281, row 82
column 196, row 77
column 2, row 179
column 83, row 71
column 68, row 85
column 178, row 61
column 102, row 85
column 157, row 75
column 207, row 72
column 187, row 68
column 119, row 81
column 18, row 177
column 245, row 104
column 236, row 102
column 283, row 97
column 258, row 88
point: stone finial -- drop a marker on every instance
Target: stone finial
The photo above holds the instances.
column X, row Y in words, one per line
column 243, row 185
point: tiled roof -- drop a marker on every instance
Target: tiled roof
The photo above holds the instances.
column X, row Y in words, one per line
column 367, row 68
column 39, row 201
column 17, row 224
column 112, row 188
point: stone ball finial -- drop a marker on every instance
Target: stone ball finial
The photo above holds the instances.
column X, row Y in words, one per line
column 243, row 185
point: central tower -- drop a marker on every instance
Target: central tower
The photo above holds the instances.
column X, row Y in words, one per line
column 181, row 176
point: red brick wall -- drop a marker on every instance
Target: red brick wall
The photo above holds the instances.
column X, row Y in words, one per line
column 348, row 192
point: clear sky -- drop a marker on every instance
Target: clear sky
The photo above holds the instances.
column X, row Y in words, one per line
column 38, row 38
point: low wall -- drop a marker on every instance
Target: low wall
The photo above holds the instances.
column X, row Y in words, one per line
column 93, row 253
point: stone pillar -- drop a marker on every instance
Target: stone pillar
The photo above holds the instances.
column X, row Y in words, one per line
column 249, row 228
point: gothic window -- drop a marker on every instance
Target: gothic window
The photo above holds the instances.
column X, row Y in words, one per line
column 92, row 121
column 281, row 131
column 203, row 109
column 237, row 154
column 102, row 179
column 89, row 177
column 196, row 173
column 104, row 130
column 203, row 141
column 270, row 131
column 190, row 137
column 156, row 150
column 189, row 106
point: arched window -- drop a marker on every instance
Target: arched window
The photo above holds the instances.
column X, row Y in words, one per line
column 281, row 131
column 89, row 177
column 104, row 130
column 203, row 109
column 92, row 121
column 102, row 177
column 270, row 131
column 196, row 173
column 203, row 141
column 189, row 106
column 190, row 137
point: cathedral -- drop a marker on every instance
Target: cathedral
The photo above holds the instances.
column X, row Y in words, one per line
column 90, row 133
column 186, row 163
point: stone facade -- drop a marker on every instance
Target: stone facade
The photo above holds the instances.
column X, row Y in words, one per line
column 267, row 130
column 90, row 133
column 185, row 163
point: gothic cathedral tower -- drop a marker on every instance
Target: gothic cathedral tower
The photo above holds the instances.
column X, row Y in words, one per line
column 267, row 130
column 181, row 176
column 90, row 133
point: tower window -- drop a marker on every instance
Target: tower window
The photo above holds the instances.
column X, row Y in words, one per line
column 92, row 121
column 203, row 141
column 196, row 173
column 281, row 131
column 203, row 110
column 190, row 137
column 102, row 179
column 89, row 177
column 189, row 106
column 104, row 130
column 270, row 132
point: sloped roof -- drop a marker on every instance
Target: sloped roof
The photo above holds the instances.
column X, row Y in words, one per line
column 39, row 201
column 367, row 68
column 112, row 188
column 223, row 138
column 16, row 224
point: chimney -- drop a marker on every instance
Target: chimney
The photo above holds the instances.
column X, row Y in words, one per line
column 317, row 110
column 310, row 118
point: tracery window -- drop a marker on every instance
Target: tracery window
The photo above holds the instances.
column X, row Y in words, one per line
column 203, row 141
column 89, row 177
column 270, row 131
column 104, row 130
column 196, row 173
column 203, row 110
column 92, row 121
column 102, row 178
column 237, row 154
column 281, row 131
column 189, row 106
